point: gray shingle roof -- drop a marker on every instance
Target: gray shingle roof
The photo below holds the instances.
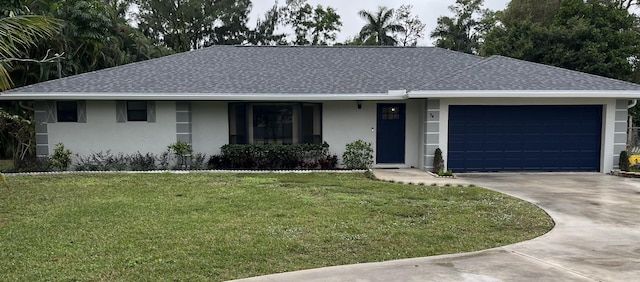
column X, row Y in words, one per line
column 286, row 70
column 503, row 73
column 323, row 70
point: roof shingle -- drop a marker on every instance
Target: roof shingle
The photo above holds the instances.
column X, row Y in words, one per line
column 323, row 70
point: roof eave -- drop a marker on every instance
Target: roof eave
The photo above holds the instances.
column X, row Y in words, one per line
column 622, row 94
column 391, row 96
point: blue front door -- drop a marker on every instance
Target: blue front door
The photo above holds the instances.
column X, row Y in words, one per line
column 390, row 134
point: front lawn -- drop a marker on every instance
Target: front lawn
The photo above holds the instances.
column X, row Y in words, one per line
column 199, row 226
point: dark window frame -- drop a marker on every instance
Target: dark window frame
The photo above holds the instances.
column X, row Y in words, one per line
column 305, row 120
column 67, row 111
column 137, row 111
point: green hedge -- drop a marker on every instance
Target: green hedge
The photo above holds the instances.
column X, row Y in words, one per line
column 274, row 156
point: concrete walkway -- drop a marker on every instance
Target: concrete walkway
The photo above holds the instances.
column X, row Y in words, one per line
column 596, row 238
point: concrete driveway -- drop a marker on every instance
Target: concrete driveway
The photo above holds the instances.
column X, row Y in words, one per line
column 596, row 238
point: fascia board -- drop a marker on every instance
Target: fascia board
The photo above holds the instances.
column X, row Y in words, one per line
column 203, row 96
column 623, row 94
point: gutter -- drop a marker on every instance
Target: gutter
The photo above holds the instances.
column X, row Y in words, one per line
column 629, row 94
column 391, row 96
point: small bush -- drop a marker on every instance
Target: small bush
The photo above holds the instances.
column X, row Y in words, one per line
column 198, row 161
column 140, row 162
column 438, row 161
column 164, row 160
column 32, row 164
column 61, row 158
column 180, row 148
column 624, row 161
column 101, row 161
column 183, row 152
column 358, row 155
column 218, row 162
column 330, row 162
column 445, row 173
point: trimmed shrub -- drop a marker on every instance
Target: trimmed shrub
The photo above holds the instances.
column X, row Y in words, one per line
column 198, row 161
column 102, row 161
column 624, row 161
column 330, row 162
column 32, row 164
column 270, row 156
column 358, row 155
column 61, row 158
column 140, row 162
column 438, row 161
column 218, row 162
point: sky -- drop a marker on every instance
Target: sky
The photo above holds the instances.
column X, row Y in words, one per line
column 427, row 10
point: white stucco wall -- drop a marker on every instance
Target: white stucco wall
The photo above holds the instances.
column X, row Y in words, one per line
column 343, row 123
column 608, row 119
column 102, row 132
column 210, row 124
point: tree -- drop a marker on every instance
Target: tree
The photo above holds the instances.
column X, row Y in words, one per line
column 596, row 38
column 20, row 33
column 413, row 27
column 312, row 26
column 534, row 11
column 230, row 27
column 184, row 25
column 378, row 25
column 265, row 30
column 20, row 132
column 463, row 32
column 94, row 35
column 623, row 4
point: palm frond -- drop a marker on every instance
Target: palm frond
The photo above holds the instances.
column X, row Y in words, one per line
column 19, row 33
column 385, row 15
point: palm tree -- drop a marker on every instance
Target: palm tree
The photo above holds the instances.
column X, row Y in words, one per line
column 379, row 24
column 18, row 33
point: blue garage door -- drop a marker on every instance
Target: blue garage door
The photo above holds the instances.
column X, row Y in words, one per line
column 524, row 138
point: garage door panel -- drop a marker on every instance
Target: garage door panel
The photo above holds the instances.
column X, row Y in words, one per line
column 524, row 138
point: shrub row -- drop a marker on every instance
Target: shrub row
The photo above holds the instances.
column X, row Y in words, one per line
column 106, row 161
column 274, row 156
column 233, row 156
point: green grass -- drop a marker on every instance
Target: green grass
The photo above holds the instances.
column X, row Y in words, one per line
column 224, row 226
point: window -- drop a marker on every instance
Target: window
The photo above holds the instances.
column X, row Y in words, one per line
column 136, row 111
column 390, row 113
column 67, row 111
column 282, row 123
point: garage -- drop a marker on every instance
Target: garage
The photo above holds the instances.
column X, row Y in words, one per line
column 524, row 138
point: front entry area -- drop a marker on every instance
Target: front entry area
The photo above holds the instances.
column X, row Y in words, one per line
column 524, row 138
column 390, row 137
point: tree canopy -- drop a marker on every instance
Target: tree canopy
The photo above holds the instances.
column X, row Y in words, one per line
column 593, row 37
column 463, row 31
column 25, row 31
column 412, row 25
column 380, row 27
